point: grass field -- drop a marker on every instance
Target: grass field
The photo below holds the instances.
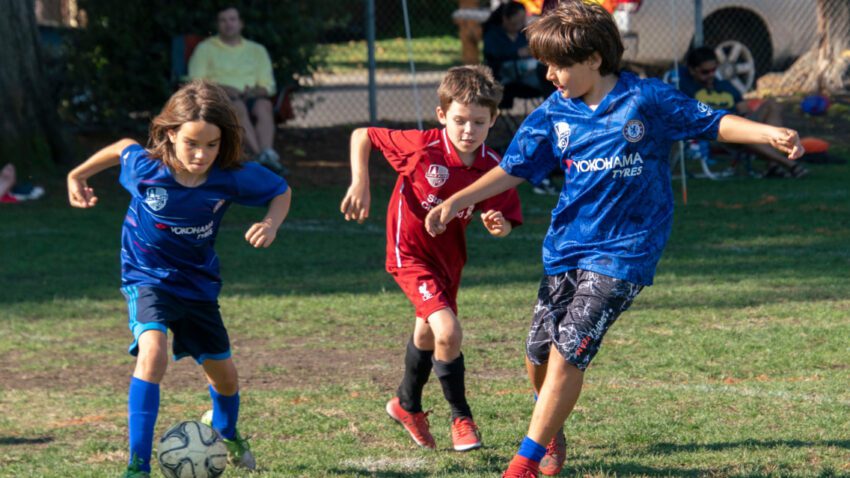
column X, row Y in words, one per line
column 735, row 364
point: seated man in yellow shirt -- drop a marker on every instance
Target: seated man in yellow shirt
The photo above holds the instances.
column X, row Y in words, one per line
column 243, row 68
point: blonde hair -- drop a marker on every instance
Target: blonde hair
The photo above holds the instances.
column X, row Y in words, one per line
column 572, row 32
column 197, row 101
column 468, row 85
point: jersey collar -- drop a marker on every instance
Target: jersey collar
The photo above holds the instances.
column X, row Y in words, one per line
column 453, row 160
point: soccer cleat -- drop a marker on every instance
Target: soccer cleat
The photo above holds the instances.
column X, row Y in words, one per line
column 556, row 453
column 465, row 434
column 521, row 467
column 416, row 424
column 238, row 450
column 134, row 469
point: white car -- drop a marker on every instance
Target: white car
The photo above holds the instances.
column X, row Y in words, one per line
column 750, row 37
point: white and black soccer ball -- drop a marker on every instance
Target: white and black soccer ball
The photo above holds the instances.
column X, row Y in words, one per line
column 191, row 450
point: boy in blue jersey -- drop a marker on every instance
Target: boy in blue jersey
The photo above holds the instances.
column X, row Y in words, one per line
column 180, row 188
column 610, row 133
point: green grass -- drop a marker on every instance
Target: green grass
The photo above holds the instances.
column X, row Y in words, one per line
column 734, row 364
column 430, row 54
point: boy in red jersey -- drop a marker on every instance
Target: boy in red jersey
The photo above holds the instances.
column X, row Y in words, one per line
column 433, row 165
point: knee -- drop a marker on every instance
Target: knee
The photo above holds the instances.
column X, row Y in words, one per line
column 151, row 365
column 450, row 339
column 423, row 339
column 227, row 385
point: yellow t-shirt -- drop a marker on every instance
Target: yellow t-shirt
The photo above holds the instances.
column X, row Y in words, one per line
column 246, row 64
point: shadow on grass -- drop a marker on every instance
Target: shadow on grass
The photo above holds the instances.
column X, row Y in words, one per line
column 11, row 441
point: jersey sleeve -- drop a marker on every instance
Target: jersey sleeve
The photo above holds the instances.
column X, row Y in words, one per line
column 402, row 148
column 256, row 185
column 507, row 203
column 679, row 116
column 530, row 154
column 135, row 166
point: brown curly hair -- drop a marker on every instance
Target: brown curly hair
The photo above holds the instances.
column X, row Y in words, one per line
column 197, row 101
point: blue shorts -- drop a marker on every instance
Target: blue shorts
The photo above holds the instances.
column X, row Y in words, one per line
column 573, row 312
column 197, row 326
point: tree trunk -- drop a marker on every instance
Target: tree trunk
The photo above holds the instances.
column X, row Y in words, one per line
column 824, row 69
column 30, row 132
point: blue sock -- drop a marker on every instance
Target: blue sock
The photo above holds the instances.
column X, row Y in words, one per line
column 531, row 449
column 225, row 413
column 142, row 408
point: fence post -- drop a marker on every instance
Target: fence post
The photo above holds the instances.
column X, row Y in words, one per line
column 370, row 42
column 698, row 36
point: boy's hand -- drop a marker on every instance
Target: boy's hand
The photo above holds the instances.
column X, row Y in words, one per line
column 261, row 234
column 355, row 204
column 438, row 217
column 496, row 223
column 788, row 141
column 80, row 194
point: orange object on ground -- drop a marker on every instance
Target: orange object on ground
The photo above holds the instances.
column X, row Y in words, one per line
column 814, row 145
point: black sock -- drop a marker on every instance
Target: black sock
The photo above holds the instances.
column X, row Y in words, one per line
column 417, row 368
column 451, row 378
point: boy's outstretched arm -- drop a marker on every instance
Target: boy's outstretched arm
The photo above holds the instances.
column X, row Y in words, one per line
column 79, row 192
column 355, row 204
column 496, row 181
column 263, row 233
column 735, row 129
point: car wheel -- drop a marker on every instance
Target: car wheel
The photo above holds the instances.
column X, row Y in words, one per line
column 743, row 48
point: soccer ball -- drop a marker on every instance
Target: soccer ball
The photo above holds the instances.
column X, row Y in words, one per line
column 191, row 450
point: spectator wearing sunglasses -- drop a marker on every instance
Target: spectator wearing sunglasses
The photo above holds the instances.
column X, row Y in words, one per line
column 698, row 79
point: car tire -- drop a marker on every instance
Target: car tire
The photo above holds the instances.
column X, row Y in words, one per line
column 743, row 47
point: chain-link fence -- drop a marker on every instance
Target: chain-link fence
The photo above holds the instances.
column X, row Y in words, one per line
column 750, row 38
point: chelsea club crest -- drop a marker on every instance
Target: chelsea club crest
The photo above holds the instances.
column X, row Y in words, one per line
column 633, row 131
column 156, row 198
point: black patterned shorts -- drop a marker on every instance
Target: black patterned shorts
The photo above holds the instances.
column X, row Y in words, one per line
column 573, row 312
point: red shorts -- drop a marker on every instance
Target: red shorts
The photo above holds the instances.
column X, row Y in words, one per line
column 427, row 290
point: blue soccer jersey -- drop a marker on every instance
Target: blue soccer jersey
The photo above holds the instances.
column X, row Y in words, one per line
column 169, row 231
column 616, row 208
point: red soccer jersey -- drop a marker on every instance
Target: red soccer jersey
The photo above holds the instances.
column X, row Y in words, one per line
column 430, row 171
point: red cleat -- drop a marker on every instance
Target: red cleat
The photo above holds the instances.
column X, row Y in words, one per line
column 415, row 423
column 465, row 435
column 521, row 467
column 556, row 454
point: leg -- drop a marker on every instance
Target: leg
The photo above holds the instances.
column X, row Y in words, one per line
column 557, row 398
column 417, row 367
column 575, row 311
column 536, row 374
column 449, row 368
column 250, row 135
column 143, row 397
column 264, row 125
column 224, row 391
column 448, row 361
column 406, row 406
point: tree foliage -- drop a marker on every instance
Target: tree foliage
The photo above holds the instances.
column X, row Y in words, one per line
column 121, row 62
